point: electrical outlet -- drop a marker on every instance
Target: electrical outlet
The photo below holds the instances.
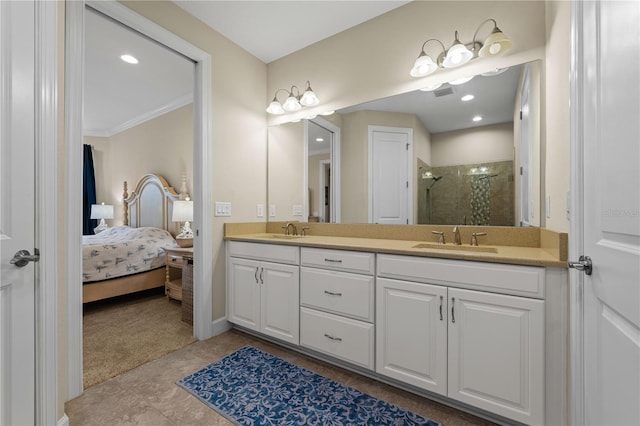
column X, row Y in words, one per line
column 260, row 210
column 272, row 210
column 297, row 210
column 222, row 208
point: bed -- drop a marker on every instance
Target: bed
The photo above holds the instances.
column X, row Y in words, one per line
column 130, row 258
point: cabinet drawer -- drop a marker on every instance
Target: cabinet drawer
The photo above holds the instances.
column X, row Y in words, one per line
column 338, row 292
column 339, row 260
column 174, row 260
column 340, row 337
column 268, row 252
column 498, row 278
column 173, row 289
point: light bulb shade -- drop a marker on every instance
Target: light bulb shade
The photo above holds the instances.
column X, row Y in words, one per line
column 309, row 98
column 182, row 211
column 101, row 211
column 275, row 108
column 423, row 66
column 291, row 104
column 461, row 80
column 496, row 44
column 457, row 55
column 430, row 87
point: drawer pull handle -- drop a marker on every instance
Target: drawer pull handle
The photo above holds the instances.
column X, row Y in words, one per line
column 174, row 259
column 453, row 306
column 330, row 293
column 261, row 271
column 333, row 260
column 337, row 339
column 441, row 318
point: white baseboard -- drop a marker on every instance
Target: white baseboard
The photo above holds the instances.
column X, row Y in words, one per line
column 64, row 421
column 219, row 326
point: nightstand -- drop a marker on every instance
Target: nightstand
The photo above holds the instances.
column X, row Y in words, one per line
column 174, row 265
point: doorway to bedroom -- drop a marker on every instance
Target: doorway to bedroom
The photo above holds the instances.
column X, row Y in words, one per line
column 138, row 121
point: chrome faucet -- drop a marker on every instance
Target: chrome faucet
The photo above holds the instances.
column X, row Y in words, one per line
column 474, row 237
column 456, row 236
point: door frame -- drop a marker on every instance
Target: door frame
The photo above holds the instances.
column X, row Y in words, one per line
column 322, row 177
column 47, row 200
column 335, row 191
column 576, row 236
column 409, row 132
column 203, row 326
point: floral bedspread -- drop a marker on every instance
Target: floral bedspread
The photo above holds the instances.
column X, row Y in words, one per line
column 122, row 250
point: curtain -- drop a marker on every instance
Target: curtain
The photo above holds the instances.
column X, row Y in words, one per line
column 88, row 192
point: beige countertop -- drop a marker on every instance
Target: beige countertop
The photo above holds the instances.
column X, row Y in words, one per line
column 517, row 255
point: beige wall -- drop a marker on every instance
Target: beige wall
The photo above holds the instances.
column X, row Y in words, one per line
column 476, row 145
column 556, row 120
column 372, row 60
column 161, row 146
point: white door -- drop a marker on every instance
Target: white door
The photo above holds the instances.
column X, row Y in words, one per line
column 17, row 221
column 411, row 333
column 280, row 294
column 389, row 177
column 608, row 126
column 496, row 361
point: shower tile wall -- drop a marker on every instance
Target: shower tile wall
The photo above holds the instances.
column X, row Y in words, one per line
column 451, row 196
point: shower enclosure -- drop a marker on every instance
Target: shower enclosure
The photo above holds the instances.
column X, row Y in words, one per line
column 470, row 194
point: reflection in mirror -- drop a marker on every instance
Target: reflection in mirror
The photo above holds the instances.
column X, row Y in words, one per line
column 320, row 142
column 482, row 171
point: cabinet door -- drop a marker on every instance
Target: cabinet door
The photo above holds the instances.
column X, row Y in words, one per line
column 244, row 293
column 411, row 333
column 496, row 353
column 280, row 316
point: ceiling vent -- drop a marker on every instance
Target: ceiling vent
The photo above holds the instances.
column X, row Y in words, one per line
column 446, row 91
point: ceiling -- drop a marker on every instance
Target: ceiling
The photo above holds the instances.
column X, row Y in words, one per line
column 118, row 95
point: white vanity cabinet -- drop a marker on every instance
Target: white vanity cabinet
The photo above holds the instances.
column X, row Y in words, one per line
column 263, row 289
column 337, row 304
column 483, row 348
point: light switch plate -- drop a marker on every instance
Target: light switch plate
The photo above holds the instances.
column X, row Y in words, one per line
column 260, row 210
column 297, row 210
column 222, row 208
column 272, row 210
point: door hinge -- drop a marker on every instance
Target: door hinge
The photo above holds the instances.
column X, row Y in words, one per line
column 521, row 170
column 407, row 146
column 520, row 114
column 407, row 184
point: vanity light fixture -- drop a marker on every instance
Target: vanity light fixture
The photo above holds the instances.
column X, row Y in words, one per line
column 460, row 53
column 461, row 80
column 294, row 102
column 431, row 87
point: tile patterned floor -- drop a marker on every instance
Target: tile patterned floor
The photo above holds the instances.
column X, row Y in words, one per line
column 148, row 394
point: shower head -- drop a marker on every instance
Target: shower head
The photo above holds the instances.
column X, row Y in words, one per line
column 436, row 178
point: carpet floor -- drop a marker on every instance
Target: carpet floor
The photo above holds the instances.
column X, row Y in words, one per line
column 123, row 333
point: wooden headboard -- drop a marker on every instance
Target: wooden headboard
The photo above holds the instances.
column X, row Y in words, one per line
column 151, row 204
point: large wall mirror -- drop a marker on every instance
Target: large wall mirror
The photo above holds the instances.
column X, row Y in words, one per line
column 462, row 153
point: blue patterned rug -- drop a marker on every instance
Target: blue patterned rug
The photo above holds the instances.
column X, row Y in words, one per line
column 252, row 387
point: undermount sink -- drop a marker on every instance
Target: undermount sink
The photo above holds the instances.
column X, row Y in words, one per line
column 436, row 246
column 286, row 237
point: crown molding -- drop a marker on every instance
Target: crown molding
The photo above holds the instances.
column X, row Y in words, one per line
column 136, row 121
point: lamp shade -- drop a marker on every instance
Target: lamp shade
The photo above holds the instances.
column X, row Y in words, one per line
column 275, row 107
column 101, row 211
column 291, row 104
column 457, row 55
column 182, row 211
column 496, row 44
column 423, row 65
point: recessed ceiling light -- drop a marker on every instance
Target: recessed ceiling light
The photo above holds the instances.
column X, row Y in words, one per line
column 467, row 98
column 129, row 59
column 477, row 118
column 319, row 140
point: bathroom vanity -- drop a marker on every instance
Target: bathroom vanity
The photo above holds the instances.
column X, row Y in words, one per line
column 483, row 329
